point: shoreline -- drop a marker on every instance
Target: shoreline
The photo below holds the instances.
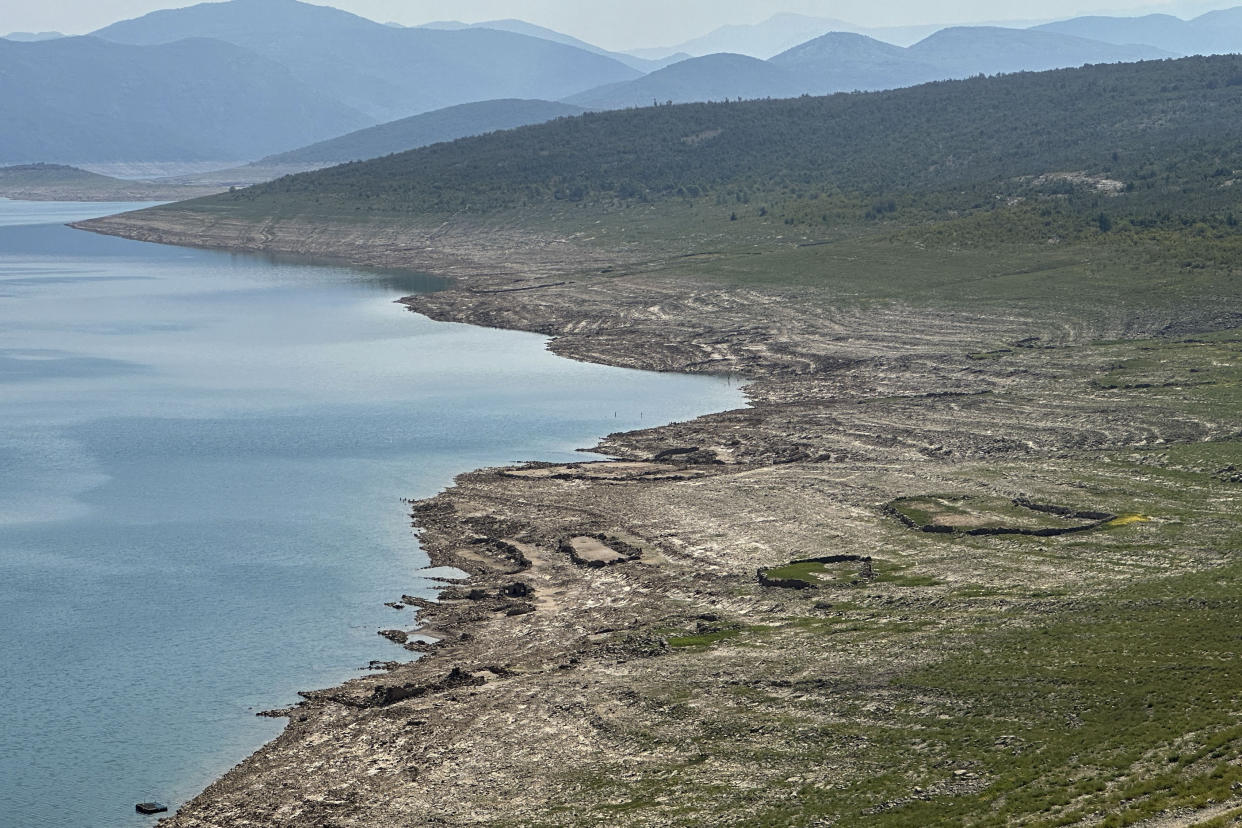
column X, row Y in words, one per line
column 437, row 619
column 602, row 595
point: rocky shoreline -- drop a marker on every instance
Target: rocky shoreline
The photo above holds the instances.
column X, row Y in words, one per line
column 591, row 652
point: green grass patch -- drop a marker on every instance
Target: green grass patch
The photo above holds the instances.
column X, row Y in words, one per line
column 812, row 572
column 1108, row 714
column 899, row 579
column 1127, row 705
column 1208, row 367
column 704, row 639
column 963, row 513
column 850, row 573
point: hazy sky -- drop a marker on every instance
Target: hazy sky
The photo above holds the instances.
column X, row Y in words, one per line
column 619, row 24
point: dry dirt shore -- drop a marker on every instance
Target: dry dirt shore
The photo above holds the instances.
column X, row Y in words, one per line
column 119, row 191
column 613, row 658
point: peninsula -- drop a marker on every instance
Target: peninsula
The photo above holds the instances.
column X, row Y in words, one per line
column 968, row 557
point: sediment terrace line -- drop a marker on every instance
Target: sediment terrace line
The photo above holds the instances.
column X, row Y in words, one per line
column 521, row 289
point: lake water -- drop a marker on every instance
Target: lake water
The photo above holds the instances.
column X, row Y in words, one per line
column 202, row 460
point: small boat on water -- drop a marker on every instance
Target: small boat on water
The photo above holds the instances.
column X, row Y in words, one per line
column 150, row 808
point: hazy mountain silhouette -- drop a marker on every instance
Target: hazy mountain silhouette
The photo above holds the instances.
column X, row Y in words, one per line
column 708, row 78
column 32, row 37
column 969, row 50
column 780, row 33
column 1211, row 33
column 81, row 99
column 531, row 30
column 282, row 73
column 841, row 61
column 384, row 71
column 1222, row 30
column 428, row 128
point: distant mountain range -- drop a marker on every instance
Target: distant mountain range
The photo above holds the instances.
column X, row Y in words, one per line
column 248, row 79
column 709, row 78
column 1217, row 32
column 842, row 62
column 522, row 27
column 84, row 99
column 239, row 80
column 32, row 37
column 383, row 71
column 780, row 33
column 989, row 50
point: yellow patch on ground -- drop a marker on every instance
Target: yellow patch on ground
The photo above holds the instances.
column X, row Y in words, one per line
column 1126, row 520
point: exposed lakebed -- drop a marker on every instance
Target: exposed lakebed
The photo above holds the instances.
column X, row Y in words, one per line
column 202, row 461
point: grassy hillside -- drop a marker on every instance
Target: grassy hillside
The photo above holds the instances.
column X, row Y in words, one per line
column 1105, row 192
column 1148, row 145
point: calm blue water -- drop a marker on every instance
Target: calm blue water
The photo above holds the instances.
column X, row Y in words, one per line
column 202, row 460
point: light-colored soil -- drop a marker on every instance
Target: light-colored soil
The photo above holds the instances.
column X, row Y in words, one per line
column 958, row 520
column 591, row 549
column 609, row 471
column 555, row 696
